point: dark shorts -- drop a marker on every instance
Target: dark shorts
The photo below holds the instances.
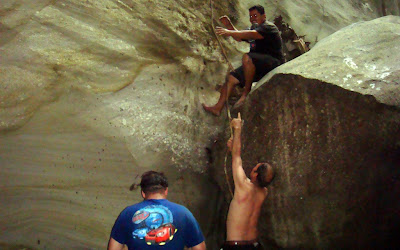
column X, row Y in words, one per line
column 241, row 245
column 264, row 63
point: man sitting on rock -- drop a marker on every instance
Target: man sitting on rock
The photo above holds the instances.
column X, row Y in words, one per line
column 248, row 197
column 265, row 54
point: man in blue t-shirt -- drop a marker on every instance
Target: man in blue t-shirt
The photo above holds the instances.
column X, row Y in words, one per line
column 156, row 223
column 265, row 55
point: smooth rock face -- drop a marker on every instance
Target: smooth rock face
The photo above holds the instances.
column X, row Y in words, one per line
column 335, row 145
column 94, row 93
column 69, row 169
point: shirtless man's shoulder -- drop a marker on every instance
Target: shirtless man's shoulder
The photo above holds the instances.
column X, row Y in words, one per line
column 244, row 212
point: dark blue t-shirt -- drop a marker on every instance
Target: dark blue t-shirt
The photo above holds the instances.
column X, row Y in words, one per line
column 154, row 223
column 271, row 43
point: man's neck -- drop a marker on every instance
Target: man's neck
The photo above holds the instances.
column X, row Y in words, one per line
column 155, row 196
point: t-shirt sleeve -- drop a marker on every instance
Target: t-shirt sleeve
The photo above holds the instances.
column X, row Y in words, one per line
column 266, row 29
column 119, row 230
column 193, row 234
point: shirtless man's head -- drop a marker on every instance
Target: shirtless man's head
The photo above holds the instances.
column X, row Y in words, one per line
column 262, row 174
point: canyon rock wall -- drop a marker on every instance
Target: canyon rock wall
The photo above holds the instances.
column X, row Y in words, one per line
column 94, row 93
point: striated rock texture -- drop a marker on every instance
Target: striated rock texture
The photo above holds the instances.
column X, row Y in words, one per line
column 93, row 93
column 329, row 122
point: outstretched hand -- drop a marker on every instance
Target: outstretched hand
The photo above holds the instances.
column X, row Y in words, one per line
column 237, row 123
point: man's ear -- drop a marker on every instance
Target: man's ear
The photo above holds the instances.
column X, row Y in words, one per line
column 143, row 195
column 256, row 175
column 166, row 192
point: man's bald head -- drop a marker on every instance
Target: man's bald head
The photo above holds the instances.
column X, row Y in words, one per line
column 265, row 174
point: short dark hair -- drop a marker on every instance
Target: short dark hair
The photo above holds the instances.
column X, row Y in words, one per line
column 259, row 8
column 153, row 182
column 263, row 174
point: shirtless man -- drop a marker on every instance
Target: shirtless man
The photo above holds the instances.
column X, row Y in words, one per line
column 248, row 198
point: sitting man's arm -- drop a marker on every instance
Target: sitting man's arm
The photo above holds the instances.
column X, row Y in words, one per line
column 114, row 245
column 201, row 246
column 239, row 35
column 228, row 24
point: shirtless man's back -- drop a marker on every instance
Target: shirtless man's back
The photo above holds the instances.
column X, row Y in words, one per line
column 248, row 198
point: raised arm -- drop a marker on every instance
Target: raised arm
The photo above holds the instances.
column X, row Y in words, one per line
column 239, row 176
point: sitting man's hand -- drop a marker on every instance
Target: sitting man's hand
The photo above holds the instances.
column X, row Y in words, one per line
column 223, row 32
column 225, row 21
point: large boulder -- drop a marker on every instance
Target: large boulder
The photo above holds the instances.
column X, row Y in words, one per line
column 329, row 122
column 362, row 57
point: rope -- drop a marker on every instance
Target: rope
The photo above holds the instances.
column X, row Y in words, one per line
column 219, row 41
column 226, row 100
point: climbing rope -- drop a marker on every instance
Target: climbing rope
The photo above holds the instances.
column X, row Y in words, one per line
column 216, row 36
column 226, row 100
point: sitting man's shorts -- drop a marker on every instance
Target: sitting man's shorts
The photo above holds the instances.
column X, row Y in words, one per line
column 264, row 63
column 241, row 245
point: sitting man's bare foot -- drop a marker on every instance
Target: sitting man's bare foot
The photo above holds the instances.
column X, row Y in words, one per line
column 239, row 103
column 211, row 110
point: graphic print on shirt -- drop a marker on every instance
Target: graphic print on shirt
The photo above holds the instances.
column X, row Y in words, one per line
column 154, row 225
column 252, row 45
column 253, row 42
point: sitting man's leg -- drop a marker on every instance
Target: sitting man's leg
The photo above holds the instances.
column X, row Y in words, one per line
column 263, row 63
column 249, row 70
column 255, row 67
column 226, row 90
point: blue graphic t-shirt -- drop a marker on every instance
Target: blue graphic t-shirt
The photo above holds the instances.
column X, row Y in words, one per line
column 153, row 223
